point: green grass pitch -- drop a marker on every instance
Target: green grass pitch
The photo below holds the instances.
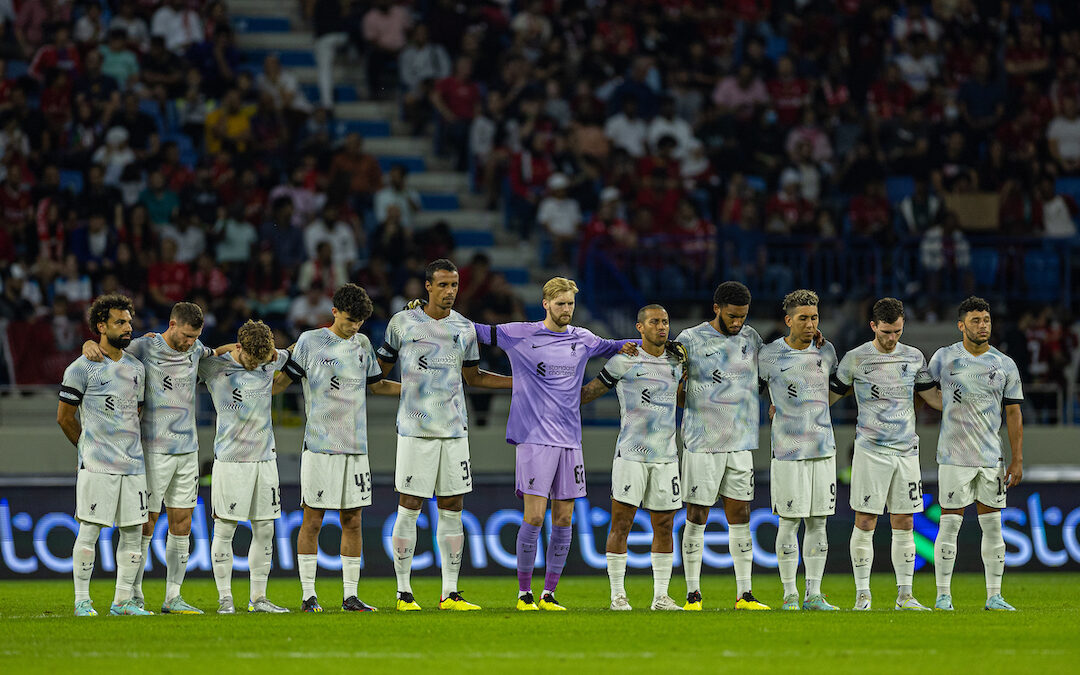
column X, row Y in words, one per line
column 38, row 633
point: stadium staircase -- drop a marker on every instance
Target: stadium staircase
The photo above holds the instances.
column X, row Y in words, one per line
column 275, row 26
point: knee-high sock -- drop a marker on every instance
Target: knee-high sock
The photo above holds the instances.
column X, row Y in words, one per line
column 83, row 555
column 993, row 551
column 403, row 540
column 128, row 560
column 451, row 537
column 136, row 586
column 260, row 555
column 741, row 545
column 222, row 555
column 815, row 552
column 661, row 573
column 862, row 558
column 350, row 575
column 945, row 551
column 306, row 565
column 903, row 559
column 176, row 560
column 693, row 541
column 787, row 553
column 527, row 538
column 616, row 571
column 557, row 551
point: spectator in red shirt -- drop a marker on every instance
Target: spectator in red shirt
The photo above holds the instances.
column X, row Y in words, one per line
column 788, row 93
column 869, row 213
column 1026, row 58
column 664, row 160
column 456, row 100
column 169, row 282
column 787, row 212
column 15, row 207
column 617, row 33
column 61, row 53
column 529, row 173
column 695, row 240
column 889, row 96
column 607, row 229
column 659, row 195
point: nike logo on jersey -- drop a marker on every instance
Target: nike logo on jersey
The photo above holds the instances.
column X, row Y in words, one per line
column 867, row 371
column 536, row 346
column 953, row 372
column 784, row 370
column 711, row 355
column 104, row 382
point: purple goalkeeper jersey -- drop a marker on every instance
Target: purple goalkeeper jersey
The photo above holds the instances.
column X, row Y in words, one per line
column 548, row 368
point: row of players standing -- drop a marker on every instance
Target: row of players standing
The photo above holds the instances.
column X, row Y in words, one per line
column 436, row 347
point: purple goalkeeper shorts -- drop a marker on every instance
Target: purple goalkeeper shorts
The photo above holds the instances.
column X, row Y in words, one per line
column 549, row 471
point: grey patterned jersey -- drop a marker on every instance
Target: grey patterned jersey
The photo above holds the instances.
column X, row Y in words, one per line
column 885, row 386
column 722, row 405
column 648, row 388
column 432, row 353
column 798, row 381
column 168, row 416
column 245, row 430
column 335, row 374
column 108, row 395
column 973, row 391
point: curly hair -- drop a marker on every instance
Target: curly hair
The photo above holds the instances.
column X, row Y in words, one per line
column 887, row 310
column 99, row 311
column 731, row 293
column 354, row 301
column 256, row 339
column 799, row 298
column 972, row 304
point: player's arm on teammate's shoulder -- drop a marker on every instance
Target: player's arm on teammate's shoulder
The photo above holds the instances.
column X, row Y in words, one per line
column 225, row 349
column 1014, row 420
column 92, row 350
column 605, row 381
column 594, row 390
column 65, row 417
column 474, row 377
column 291, row 372
column 385, row 388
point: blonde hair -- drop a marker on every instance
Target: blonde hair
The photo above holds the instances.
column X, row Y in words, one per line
column 256, row 339
column 799, row 298
column 557, row 285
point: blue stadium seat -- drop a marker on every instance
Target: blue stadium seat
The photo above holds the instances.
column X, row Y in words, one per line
column 411, row 164
column 366, row 128
column 343, row 93
column 150, row 107
column 1042, row 271
column 16, row 69
column 473, row 239
column 757, row 183
column 776, row 47
column 1069, row 185
column 984, row 267
column 439, row 202
column 898, row 187
column 288, row 58
column 261, row 24
column 515, row 275
column 71, row 180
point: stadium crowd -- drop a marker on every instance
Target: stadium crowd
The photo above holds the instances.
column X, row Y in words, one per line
column 142, row 154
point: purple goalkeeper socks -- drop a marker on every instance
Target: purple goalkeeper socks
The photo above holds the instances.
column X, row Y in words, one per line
column 558, row 549
column 526, row 554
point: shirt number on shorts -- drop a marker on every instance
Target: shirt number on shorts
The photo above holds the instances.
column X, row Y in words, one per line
column 362, row 480
column 675, row 486
column 142, row 500
column 273, row 497
column 579, row 474
column 1001, row 486
column 832, row 494
column 914, row 492
column 465, row 470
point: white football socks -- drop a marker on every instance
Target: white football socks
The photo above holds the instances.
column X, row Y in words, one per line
column 128, row 560
column 450, row 536
column 741, row 546
column 403, row 540
column 222, row 555
column 787, row 553
column 616, row 571
column 815, row 552
column 136, row 586
column 83, row 555
column 945, row 551
column 862, row 558
column 260, row 556
column 661, row 573
column 903, row 560
column 176, row 560
column 350, row 575
column 693, row 542
column 307, row 564
column 993, row 552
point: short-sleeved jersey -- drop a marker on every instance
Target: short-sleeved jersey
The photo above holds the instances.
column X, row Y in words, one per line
column 432, row 353
column 335, row 374
column 973, row 391
column 108, row 395
column 648, row 389
column 722, row 405
column 885, row 386
column 245, row 430
column 798, row 381
column 168, row 416
column 548, row 368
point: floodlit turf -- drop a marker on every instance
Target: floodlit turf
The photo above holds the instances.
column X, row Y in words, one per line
column 38, row 633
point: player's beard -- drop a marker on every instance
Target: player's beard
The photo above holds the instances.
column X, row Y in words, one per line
column 974, row 339
column 724, row 327
column 120, row 341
